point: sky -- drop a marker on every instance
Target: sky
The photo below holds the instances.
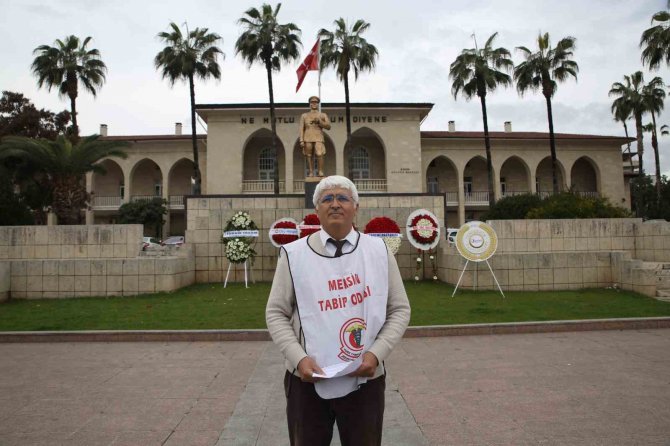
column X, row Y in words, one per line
column 417, row 41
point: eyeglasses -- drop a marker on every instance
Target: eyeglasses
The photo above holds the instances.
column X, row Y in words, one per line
column 327, row 199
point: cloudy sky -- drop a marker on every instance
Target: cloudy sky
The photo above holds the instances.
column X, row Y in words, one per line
column 417, row 41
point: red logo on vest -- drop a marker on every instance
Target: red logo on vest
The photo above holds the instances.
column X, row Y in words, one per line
column 351, row 337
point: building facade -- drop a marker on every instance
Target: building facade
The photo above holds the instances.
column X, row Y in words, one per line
column 388, row 153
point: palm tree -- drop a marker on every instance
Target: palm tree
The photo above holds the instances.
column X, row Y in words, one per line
column 629, row 95
column 622, row 112
column 184, row 58
column 475, row 72
column 63, row 164
column 653, row 96
column 65, row 65
column 270, row 43
column 655, row 41
column 345, row 49
column 541, row 70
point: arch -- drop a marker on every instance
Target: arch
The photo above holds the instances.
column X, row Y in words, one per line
column 475, row 176
column 108, row 184
column 146, row 179
column 585, row 175
column 442, row 177
column 543, row 177
column 369, row 140
column 300, row 165
column 255, row 144
column 180, row 177
column 514, row 177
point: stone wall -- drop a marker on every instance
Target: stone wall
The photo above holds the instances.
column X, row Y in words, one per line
column 70, row 242
column 207, row 216
column 35, row 279
column 4, row 280
column 570, row 254
column 78, row 261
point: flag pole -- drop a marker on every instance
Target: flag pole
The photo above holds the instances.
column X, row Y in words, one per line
column 318, row 58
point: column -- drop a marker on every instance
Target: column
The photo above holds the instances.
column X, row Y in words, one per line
column 166, row 197
column 288, row 175
column 461, row 198
column 89, row 190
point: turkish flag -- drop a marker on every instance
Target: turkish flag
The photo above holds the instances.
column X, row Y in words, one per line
column 311, row 63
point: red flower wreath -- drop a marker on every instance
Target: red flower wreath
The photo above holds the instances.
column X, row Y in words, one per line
column 382, row 225
column 415, row 233
column 282, row 239
column 310, row 220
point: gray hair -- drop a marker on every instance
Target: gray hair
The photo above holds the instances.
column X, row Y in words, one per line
column 332, row 182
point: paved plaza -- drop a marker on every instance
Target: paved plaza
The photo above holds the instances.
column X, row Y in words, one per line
column 587, row 388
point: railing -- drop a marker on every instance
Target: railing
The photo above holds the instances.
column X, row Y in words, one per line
column 260, row 186
column 588, row 194
column 176, row 202
column 144, row 197
column 371, row 185
column 514, row 193
column 106, row 202
column 452, row 198
column 298, row 185
column 477, row 198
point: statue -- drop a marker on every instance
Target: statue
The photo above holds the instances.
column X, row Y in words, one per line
column 312, row 143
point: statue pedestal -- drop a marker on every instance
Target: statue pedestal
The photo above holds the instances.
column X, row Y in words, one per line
column 310, row 186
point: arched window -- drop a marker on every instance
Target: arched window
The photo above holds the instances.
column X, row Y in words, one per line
column 359, row 164
column 266, row 164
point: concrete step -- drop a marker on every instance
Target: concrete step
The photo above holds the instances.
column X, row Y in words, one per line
column 663, row 295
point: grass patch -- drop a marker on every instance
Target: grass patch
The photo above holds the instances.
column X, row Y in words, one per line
column 210, row 306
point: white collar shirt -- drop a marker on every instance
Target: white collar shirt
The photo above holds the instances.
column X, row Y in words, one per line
column 351, row 240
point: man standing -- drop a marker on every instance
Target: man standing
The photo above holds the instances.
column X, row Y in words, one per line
column 337, row 301
column 312, row 124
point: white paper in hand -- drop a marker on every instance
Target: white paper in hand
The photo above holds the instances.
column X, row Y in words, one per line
column 339, row 369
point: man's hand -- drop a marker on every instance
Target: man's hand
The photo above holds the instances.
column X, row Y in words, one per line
column 368, row 367
column 306, row 368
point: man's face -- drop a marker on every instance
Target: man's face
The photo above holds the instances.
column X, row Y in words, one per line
column 335, row 213
column 314, row 104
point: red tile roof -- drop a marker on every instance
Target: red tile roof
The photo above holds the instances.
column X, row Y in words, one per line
column 151, row 137
column 519, row 135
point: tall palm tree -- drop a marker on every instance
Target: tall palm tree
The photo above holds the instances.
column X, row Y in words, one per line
column 653, row 96
column 63, row 164
column 345, row 49
column 269, row 43
column 185, row 57
column 65, row 65
column 622, row 112
column 475, row 72
column 655, row 41
column 541, row 70
column 629, row 95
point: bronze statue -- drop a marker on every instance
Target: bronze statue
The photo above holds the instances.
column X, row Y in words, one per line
column 312, row 143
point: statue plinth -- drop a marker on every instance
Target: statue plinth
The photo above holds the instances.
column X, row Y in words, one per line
column 310, row 186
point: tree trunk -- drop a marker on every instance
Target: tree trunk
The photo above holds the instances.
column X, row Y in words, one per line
column 487, row 144
column 347, row 144
column 640, row 146
column 273, row 126
column 552, row 147
column 71, row 80
column 654, row 145
column 69, row 198
column 197, row 179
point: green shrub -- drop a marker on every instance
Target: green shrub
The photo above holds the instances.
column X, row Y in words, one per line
column 513, row 208
column 569, row 205
column 145, row 212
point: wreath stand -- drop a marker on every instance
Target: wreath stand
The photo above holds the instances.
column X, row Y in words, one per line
column 463, row 272
column 246, row 282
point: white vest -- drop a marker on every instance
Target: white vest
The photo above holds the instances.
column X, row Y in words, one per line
column 341, row 303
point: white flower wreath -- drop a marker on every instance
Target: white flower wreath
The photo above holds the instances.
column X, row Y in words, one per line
column 238, row 248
